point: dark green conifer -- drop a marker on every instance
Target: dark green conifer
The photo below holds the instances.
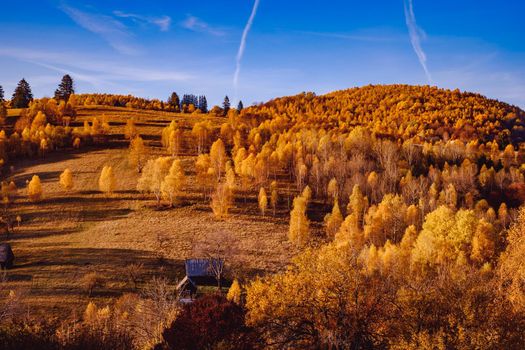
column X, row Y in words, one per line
column 22, row 95
column 65, row 89
column 226, row 105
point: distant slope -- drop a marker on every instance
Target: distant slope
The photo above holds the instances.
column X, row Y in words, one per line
column 403, row 111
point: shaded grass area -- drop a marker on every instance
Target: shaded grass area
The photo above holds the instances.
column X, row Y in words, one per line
column 52, row 274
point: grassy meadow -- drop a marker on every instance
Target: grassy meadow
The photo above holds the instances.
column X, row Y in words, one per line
column 71, row 234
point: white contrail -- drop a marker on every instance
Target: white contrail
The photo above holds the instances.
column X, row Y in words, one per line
column 415, row 38
column 242, row 46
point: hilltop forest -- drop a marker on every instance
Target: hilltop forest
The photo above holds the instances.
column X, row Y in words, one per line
column 384, row 217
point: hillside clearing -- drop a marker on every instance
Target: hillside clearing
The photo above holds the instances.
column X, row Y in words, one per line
column 70, row 234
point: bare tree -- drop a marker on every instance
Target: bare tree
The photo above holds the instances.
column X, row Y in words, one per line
column 157, row 307
column 133, row 272
column 387, row 154
column 12, row 302
column 219, row 249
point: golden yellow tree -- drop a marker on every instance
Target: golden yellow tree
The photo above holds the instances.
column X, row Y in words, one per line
column 205, row 178
column 274, row 197
column 483, row 242
column 137, row 153
column 230, row 177
column 44, row 146
column 34, row 189
column 445, row 237
column 130, row 130
column 201, row 132
column 357, row 203
column 66, row 180
column 218, row 157
column 107, row 181
column 173, row 183
column 332, row 189
column 247, row 173
column 333, row 221
column 174, row 142
column 350, row 232
column 386, row 221
column 511, row 269
column 263, row 201
column 221, row 200
column 234, row 293
column 307, row 194
column 76, row 142
column 299, row 232
column 153, row 174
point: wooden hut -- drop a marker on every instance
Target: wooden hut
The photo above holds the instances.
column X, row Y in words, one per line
column 200, row 272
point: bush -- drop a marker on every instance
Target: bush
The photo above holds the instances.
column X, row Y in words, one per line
column 209, row 322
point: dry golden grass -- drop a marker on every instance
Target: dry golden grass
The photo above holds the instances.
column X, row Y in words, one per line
column 69, row 235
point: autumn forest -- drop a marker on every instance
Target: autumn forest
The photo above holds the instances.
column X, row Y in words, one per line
column 385, row 216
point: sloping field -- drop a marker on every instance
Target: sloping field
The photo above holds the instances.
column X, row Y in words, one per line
column 69, row 235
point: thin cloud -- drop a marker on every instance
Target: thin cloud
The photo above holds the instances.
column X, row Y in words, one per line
column 416, row 35
column 114, row 32
column 242, row 46
column 89, row 78
column 163, row 23
column 195, row 24
column 93, row 71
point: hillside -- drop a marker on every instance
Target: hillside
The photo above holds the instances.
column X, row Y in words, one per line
column 402, row 111
column 369, row 214
column 70, row 234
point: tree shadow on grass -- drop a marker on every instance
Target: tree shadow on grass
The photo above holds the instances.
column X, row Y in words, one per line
column 93, row 215
column 31, row 234
column 59, row 271
column 113, row 142
column 45, row 176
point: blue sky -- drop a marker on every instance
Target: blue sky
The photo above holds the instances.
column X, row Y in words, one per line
column 150, row 48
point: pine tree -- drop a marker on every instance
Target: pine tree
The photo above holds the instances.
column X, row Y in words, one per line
column 66, row 180
column 34, row 189
column 240, row 106
column 226, row 105
column 203, row 104
column 22, row 95
column 1, row 94
column 174, row 102
column 65, row 89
